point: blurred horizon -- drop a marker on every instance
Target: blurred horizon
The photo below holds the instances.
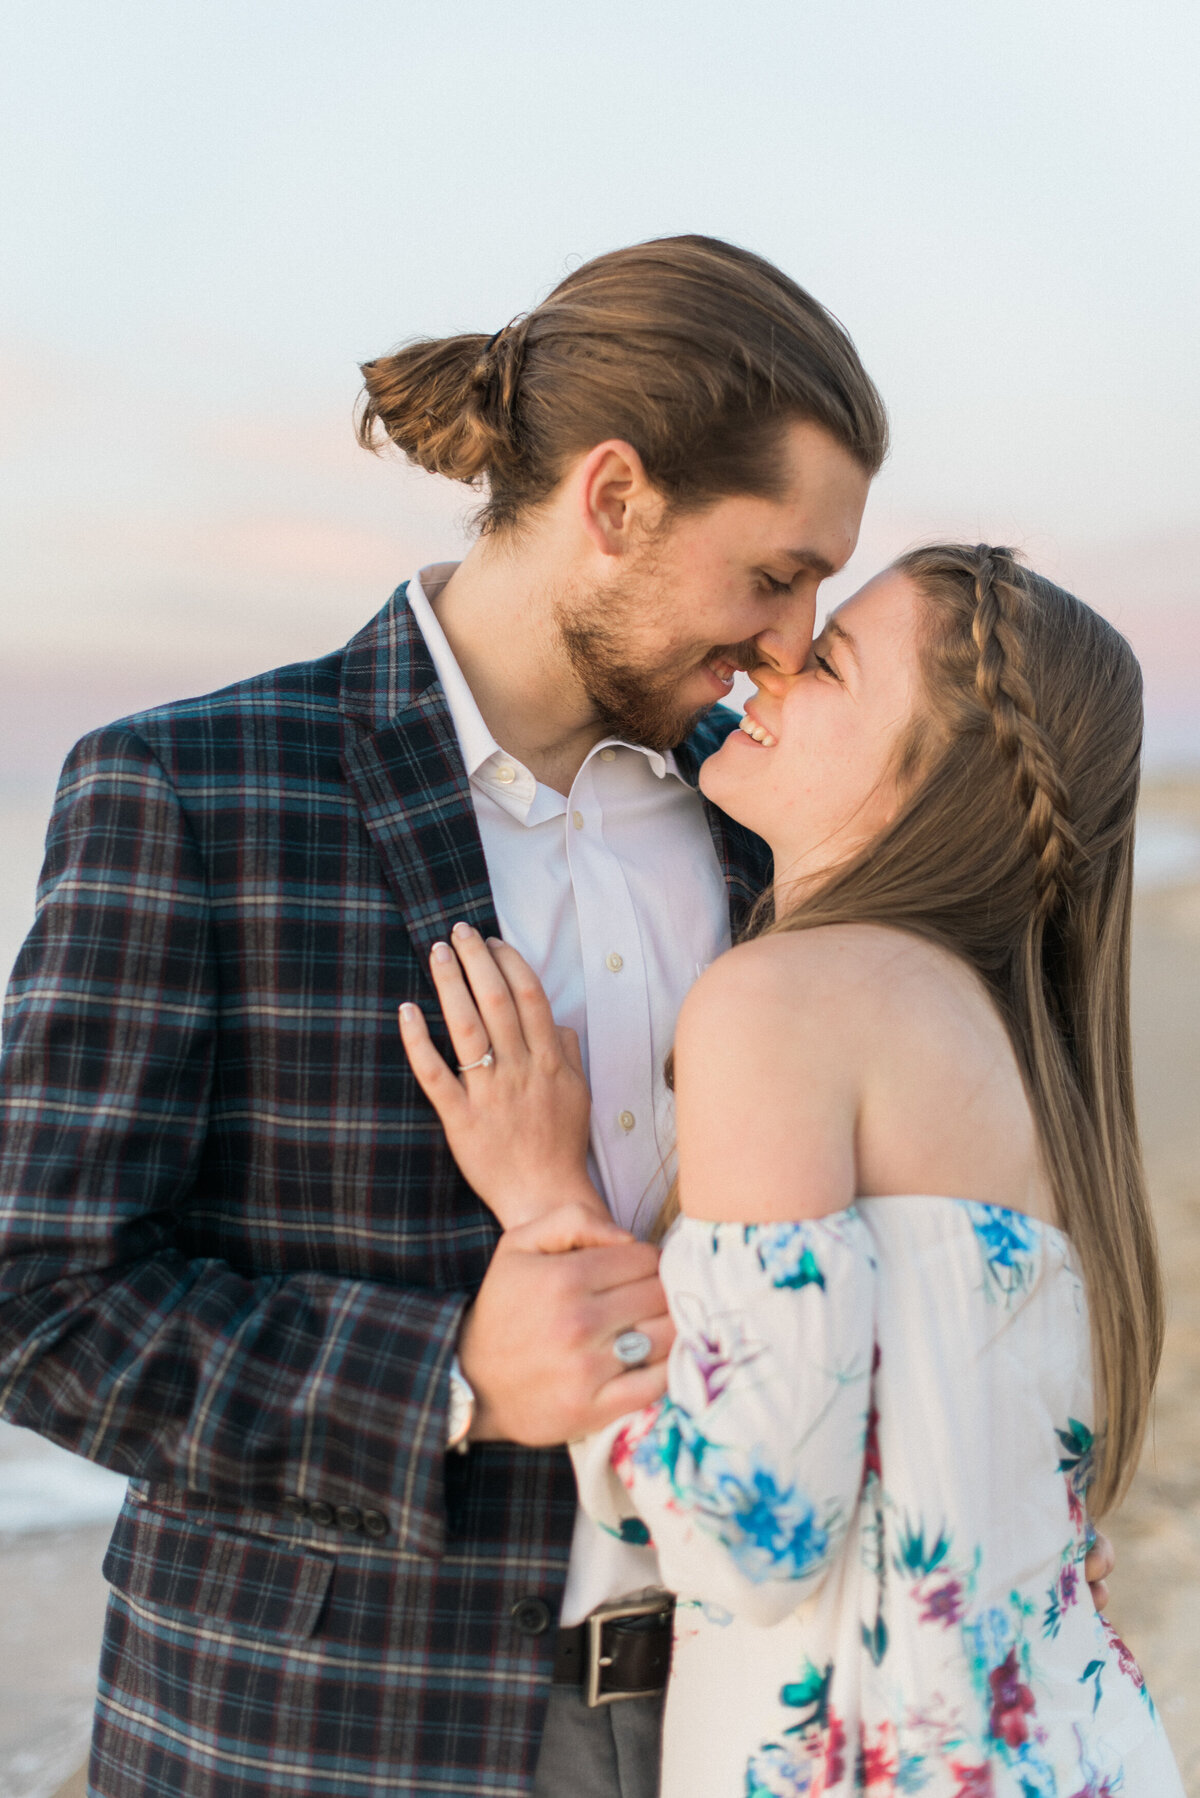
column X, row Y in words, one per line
column 213, row 214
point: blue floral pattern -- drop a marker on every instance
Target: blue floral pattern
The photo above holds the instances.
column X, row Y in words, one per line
column 857, row 1614
column 1010, row 1242
column 771, row 1530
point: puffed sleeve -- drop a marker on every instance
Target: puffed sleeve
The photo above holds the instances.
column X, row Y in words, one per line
column 747, row 1472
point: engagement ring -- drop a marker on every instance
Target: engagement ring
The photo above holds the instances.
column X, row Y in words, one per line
column 485, row 1061
column 632, row 1348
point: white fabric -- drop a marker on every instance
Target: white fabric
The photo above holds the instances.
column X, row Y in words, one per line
column 867, row 1484
column 615, row 897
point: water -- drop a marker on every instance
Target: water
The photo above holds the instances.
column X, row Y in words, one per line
column 43, row 1488
column 56, row 1512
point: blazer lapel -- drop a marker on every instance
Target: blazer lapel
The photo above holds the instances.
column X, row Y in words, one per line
column 404, row 766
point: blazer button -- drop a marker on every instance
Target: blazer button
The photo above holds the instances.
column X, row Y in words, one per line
column 295, row 1506
column 531, row 1616
column 321, row 1512
column 375, row 1523
column 349, row 1517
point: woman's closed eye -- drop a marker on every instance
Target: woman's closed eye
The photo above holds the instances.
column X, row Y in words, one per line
column 826, row 666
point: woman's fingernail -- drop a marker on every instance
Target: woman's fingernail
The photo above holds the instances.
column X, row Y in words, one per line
column 408, row 1014
column 494, row 942
column 442, row 952
column 462, row 930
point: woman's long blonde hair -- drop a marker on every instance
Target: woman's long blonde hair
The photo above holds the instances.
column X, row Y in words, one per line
column 1014, row 850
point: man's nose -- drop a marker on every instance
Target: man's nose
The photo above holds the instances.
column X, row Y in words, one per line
column 784, row 645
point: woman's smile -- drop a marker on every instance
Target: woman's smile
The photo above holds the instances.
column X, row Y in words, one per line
column 756, row 730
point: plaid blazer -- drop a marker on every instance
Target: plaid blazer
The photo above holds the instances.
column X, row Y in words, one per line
column 235, row 1250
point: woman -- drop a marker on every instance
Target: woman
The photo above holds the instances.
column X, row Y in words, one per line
column 914, row 1280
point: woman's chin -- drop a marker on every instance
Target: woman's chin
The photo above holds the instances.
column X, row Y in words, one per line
column 729, row 787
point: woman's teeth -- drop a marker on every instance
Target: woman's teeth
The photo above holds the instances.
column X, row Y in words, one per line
column 757, row 732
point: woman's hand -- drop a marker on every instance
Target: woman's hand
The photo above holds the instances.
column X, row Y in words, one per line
column 518, row 1128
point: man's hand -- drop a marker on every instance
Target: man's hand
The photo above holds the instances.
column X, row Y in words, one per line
column 537, row 1344
column 1099, row 1564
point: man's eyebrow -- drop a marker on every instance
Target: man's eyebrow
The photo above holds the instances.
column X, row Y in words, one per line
column 808, row 558
column 832, row 628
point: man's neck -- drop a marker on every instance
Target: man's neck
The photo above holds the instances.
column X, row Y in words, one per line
column 497, row 612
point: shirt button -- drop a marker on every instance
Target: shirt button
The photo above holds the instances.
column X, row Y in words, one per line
column 321, row 1512
column 608, row 755
column 375, row 1524
column 577, row 820
column 614, row 961
column 626, row 1120
column 349, row 1517
column 505, row 773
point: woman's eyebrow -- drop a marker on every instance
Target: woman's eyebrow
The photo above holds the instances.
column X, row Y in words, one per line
column 833, row 629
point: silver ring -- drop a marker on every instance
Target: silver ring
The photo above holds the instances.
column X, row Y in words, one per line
column 485, row 1061
column 633, row 1348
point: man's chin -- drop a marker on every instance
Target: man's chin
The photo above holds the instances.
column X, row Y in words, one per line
column 673, row 734
column 671, row 725
column 660, row 725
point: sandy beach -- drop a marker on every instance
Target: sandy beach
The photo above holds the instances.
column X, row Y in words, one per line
column 1156, row 1591
column 53, row 1593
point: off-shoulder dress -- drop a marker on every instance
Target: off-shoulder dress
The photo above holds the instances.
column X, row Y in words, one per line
column 867, row 1485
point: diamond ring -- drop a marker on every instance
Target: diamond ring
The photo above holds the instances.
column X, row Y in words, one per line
column 485, row 1061
column 632, row 1348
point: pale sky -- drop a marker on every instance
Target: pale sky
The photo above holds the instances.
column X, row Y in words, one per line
column 212, row 211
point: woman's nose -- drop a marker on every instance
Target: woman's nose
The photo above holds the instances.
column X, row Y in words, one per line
column 773, row 680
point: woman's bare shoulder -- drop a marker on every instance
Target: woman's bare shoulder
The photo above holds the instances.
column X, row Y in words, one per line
column 787, row 1012
column 808, row 968
column 839, row 1004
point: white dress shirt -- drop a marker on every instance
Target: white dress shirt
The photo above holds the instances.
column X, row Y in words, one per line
column 615, row 897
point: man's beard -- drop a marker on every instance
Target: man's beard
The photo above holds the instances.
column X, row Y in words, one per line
column 638, row 703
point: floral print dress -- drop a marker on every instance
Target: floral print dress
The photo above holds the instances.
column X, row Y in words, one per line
column 866, row 1484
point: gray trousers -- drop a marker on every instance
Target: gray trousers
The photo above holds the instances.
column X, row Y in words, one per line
column 612, row 1751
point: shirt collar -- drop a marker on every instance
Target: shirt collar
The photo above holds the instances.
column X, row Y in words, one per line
column 474, row 738
column 505, row 779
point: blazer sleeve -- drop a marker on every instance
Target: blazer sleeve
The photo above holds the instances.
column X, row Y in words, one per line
column 747, row 1473
column 113, row 1341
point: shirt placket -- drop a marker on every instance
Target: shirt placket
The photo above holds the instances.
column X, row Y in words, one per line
column 620, row 1054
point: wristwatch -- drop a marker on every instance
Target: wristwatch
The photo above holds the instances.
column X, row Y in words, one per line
column 462, row 1409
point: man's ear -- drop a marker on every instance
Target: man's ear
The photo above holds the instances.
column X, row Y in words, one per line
column 617, row 501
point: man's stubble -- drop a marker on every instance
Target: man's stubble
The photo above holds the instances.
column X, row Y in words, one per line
column 634, row 697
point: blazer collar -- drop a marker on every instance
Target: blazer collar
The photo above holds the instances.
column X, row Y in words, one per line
column 386, row 667
column 404, row 766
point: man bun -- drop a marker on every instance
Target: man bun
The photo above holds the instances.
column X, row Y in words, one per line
column 448, row 403
column 694, row 351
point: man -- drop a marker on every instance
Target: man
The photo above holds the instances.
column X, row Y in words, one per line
column 236, row 1259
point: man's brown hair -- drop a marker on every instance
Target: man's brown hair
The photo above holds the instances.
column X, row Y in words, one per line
column 694, row 351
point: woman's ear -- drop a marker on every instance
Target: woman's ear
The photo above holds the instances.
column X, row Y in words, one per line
column 618, row 504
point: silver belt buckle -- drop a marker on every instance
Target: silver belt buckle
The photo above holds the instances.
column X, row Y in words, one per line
column 597, row 1660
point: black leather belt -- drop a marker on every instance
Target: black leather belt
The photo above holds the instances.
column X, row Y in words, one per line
column 620, row 1651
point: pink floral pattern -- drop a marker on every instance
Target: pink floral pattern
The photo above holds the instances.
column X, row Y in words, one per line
column 852, row 1414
